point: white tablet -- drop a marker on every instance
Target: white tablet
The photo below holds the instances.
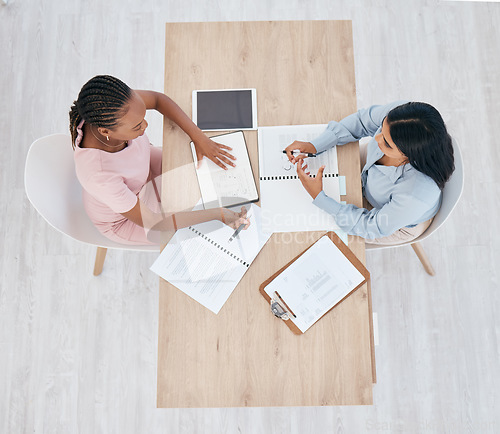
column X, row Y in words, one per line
column 225, row 109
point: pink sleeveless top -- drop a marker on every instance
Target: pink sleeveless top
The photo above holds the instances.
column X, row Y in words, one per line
column 111, row 181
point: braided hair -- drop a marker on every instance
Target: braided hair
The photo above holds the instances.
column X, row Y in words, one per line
column 102, row 102
column 419, row 132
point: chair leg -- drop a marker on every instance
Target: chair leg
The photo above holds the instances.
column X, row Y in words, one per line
column 419, row 250
column 100, row 256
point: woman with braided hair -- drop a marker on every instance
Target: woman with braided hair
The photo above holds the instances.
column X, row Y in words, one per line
column 115, row 161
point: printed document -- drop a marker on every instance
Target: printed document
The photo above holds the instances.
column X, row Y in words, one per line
column 202, row 262
column 315, row 282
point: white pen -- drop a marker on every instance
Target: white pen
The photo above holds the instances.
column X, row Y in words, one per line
column 308, row 154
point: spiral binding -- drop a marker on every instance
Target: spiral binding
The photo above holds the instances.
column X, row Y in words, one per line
column 222, row 249
column 279, row 178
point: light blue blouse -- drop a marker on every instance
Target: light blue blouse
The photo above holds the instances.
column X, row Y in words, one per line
column 400, row 196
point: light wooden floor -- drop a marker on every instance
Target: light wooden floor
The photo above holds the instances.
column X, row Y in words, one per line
column 78, row 353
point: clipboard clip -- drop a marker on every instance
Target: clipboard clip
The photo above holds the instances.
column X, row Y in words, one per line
column 278, row 310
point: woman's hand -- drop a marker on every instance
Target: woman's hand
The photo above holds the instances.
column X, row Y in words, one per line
column 306, row 147
column 234, row 219
column 203, row 145
column 312, row 185
column 214, row 151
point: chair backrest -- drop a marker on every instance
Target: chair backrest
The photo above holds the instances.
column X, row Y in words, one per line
column 451, row 194
column 53, row 189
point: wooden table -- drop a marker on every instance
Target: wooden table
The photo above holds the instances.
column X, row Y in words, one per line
column 304, row 73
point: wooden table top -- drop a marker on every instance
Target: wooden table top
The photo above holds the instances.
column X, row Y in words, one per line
column 304, row 74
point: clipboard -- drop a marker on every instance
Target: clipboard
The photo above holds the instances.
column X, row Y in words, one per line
column 282, row 308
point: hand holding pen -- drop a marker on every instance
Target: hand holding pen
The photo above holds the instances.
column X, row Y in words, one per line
column 244, row 222
column 305, row 149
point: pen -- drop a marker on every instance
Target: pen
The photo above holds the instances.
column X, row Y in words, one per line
column 236, row 232
column 308, row 154
column 286, row 305
column 238, row 229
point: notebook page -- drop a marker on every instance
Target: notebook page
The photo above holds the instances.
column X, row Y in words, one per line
column 286, row 206
column 225, row 188
column 272, row 142
column 200, row 261
column 198, row 269
column 247, row 244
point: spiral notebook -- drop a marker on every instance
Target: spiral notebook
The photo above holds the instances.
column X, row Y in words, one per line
column 286, row 205
column 201, row 261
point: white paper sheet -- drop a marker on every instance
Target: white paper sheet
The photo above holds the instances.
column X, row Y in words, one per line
column 202, row 263
column 286, row 206
column 315, row 282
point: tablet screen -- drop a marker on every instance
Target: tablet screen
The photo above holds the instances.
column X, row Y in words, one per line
column 224, row 109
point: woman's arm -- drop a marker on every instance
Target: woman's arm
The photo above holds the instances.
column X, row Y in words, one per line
column 204, row 145
column 142, row 216
column 402, row 209
column 363, row 123
column 377, row 222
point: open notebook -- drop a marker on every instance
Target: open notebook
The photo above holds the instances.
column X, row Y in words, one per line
column 202, row 262
column 286, row 205
column 231, row 187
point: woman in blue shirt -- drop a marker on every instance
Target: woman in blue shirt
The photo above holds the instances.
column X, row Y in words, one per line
column 408, row 161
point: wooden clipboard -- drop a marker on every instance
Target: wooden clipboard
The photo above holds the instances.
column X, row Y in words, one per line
column 346, row 252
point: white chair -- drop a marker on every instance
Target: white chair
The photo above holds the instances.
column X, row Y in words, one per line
column 53, row 189
column 451, row 194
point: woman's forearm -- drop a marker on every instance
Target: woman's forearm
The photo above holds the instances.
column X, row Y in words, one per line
column 143, row 216
column 185, row 219
column 171, row 110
